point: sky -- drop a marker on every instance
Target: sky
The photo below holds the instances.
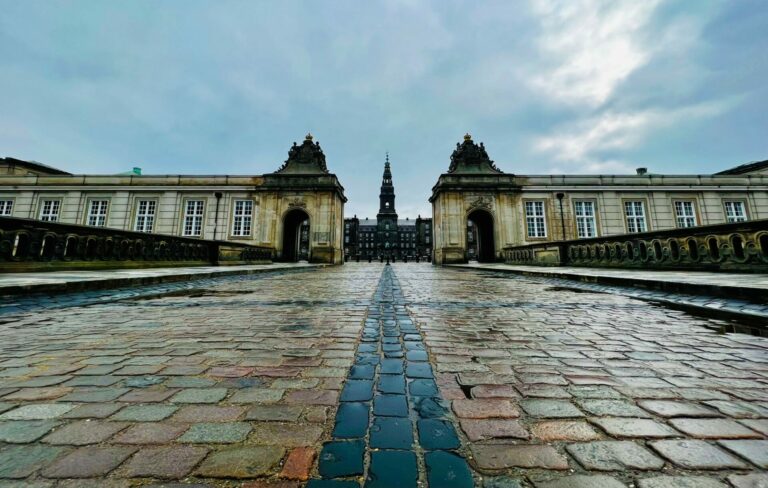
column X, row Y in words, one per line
column 225, row 87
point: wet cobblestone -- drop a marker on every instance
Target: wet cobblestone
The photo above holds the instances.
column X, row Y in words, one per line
column 368, row 375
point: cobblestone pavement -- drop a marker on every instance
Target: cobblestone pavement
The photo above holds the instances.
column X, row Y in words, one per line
column 407, row 375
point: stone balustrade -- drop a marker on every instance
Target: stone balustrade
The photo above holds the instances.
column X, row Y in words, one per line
column 736, row 246
column 32, row 245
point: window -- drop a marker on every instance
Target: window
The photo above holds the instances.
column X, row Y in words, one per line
column 6, row 207
column 735, row 211
column 243, row 217
column 534, row 219
column 586, row 226
column 685, row 213
column 145, row 216
column 346, row 239
column 97, row 213
column 193, row 218
column 49, row 210
column 635, row 214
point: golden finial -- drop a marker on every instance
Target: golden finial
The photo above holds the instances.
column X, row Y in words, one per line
column 309, row 136
column 467, row 137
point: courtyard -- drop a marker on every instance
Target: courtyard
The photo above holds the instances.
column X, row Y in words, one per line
column 376, row 375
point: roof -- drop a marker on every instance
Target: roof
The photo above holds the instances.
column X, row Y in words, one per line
column 33, row 166
column 751, row 167
column 406, row 223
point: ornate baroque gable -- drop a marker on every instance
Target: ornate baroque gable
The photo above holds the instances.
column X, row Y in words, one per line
column 308, row 158
column 471, row 158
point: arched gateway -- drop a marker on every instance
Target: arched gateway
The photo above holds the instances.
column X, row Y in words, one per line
column 296, row 236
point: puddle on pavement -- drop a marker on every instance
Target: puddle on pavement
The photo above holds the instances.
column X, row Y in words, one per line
column 193, row 293
column 572, row 289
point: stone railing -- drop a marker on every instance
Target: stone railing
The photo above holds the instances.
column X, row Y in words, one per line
column 739, row 246
column 33, row 245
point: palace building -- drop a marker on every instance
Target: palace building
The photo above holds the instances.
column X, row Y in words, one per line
column 388, row 236
column 297, row 211
column 479, row 210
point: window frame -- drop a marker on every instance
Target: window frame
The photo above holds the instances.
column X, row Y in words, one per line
column 10, row 200
column 595, row 217
column 232, row 219
column 646, row 214
column 183, row 219
column 136, row 204
column 87, row 211
column 694, row 207
column 544, row 217
column 41, row 206
column 744, row 205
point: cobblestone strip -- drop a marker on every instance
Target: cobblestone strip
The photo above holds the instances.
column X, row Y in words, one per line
column 392, row 428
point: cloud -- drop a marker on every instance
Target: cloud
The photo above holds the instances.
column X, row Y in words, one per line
column 583, row 144
column 588, row 47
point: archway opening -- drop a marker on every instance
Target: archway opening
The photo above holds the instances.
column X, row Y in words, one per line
column 296, row 236
column 480, row 241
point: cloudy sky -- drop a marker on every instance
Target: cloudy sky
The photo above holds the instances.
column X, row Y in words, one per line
column 204, row 87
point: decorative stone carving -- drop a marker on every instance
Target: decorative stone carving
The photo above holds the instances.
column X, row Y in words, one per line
column 471, row 158
column 481, row 202
column 297, row 202
column 308, row 158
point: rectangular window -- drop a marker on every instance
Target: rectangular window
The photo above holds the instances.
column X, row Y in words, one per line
column 6, row 207
column 145, row 216
column 534, row 219
column 193, row 218
column 97, row 213
column 685, row 213
column 586, row 225
column 735, row 211
column 241, row 222
column 49, row 210
column 635, row 214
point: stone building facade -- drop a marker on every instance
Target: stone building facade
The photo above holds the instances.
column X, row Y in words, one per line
column 298, row 211
column 388, row 236
column 508, row 210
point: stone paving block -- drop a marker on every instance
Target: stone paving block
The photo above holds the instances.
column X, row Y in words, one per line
column 286, row 435
column 25, row 431
column 505, row 456
column 612, row 408
column 88, row 462
column 351, row 420
column 485, row 408
column 93, row 395
column 695, row 454
column 144, row 413
column 614, row 456
column 564, row 430
column 481, row 429
column 22, row 461
column 713, row 428
column 751, row 480
column 38, row 394
column 93, row 411
column 391, row 433
column 640, row 428
column 594, row 391
column 501, row 482
column 241, row 462
column 390, row 405
column 257, row 395
column 207, row 413
column 494, row 391
column 312, row 397
column 759, row 425
column 200, row 395
column 581, row 481
column 216, row 433
column 38, row 411
column 667, row 408
column 84, row 432
column 437, row 434
column 680, row 482
column 341, row 459
column 550, row 408
column 298, row 464
column 392, row 468
column 754, row 451
column 173, row 462
column 274, row 413
column 740, row 409
column 150, row 433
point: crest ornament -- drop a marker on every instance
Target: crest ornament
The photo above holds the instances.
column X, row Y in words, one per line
column 297, row 202
column 481, row 202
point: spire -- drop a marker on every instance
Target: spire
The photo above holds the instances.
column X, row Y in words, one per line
column 387, row 193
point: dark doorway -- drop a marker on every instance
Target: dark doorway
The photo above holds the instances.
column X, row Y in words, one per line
column 481, row 243
column 296, row 236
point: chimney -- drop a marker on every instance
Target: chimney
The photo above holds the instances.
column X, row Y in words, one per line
column 642, row 171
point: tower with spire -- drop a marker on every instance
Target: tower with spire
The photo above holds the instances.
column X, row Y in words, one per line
column 386, row 219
